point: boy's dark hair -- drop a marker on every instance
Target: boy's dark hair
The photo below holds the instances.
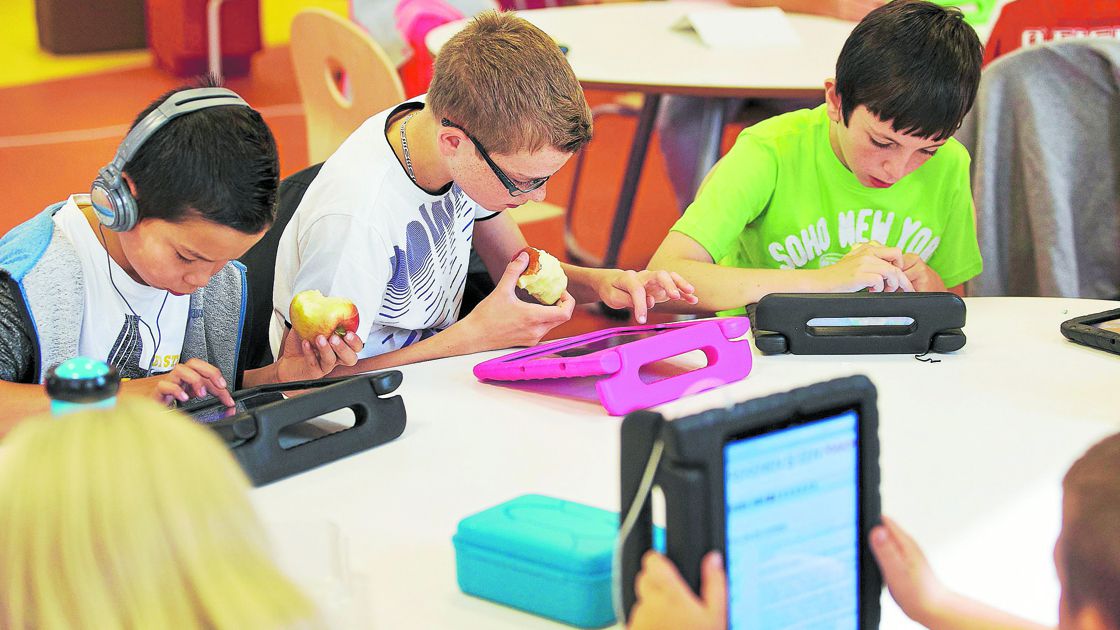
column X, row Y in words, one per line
column 220, row 162
column 914, row 63
column 1091, row 531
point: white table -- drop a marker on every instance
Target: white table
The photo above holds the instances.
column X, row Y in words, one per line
column 973, row 451
column 633, row 46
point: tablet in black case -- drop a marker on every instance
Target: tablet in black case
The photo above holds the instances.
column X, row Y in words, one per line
column 1099, row 330
column 786, row 486
column 273, row 436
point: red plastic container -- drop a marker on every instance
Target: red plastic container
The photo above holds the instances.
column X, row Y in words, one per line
column 178, row 38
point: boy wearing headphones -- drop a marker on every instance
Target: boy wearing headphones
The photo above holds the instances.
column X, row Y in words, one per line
column 391, row 218
column 140, row 273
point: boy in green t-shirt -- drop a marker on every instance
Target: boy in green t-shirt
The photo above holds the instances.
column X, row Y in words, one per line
column 868, row 191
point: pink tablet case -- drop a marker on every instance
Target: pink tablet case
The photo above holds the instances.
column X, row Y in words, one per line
column 622, row 390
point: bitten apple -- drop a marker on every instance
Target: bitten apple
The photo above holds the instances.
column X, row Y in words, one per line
column 313, row 314
column 544, row 278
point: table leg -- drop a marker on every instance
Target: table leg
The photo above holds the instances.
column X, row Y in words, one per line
column 214, row 37
column 646, row 119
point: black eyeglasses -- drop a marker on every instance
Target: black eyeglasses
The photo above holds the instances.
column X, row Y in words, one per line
column 513, row 189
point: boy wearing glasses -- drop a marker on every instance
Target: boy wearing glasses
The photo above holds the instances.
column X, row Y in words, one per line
column 390, row 219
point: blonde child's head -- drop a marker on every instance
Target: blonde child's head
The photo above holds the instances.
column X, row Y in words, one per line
column 133, row 517
column 1087, row 553
column 508, row 84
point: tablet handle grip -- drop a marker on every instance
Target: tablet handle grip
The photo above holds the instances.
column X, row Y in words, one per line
column 728, row 361
column 376, row 421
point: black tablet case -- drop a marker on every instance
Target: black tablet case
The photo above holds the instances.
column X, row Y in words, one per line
column 780, row 323
column 690, row 475
column 254, row 435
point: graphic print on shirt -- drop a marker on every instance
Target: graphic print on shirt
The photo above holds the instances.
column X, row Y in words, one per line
column 125, row 354
column 853, row 228
column 427, row 260
column 1032, row 36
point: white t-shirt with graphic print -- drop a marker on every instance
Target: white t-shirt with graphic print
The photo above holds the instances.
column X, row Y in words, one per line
column 121, row 324
column 365, row 231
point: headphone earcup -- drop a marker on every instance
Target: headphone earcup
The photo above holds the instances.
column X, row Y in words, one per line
column 114, row 205
column 127, row 213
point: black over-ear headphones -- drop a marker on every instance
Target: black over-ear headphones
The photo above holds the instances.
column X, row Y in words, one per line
column 109, row 194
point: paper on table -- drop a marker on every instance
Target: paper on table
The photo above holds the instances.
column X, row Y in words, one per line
column 741, row 28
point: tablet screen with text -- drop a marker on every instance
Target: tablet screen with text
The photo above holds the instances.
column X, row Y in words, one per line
column 792, row 526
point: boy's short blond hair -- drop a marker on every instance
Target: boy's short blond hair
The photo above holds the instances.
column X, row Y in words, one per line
column 507, row 83
column 1091, row 531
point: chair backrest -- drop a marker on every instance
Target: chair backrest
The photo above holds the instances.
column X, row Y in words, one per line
column 344, row 77
column 414, row 19
column 260, row 269
column 1046, row 171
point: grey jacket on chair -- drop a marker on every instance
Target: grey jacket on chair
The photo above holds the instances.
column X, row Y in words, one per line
column 1044, row 137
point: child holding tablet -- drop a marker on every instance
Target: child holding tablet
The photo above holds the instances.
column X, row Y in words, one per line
column 1086, row 555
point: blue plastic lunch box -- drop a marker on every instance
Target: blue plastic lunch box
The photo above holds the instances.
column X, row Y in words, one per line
column 542, row 555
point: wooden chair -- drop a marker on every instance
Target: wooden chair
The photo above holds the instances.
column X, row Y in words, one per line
column 344, row 77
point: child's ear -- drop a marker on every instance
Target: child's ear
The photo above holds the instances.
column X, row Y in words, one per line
column 449, row 141
column 832, row 99
column 131, row 184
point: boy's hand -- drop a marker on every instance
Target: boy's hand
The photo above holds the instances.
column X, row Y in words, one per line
column 641, row 290
column 502, row 319
column 301, row 359
column 869, row 266
column 193, row 379
column 665, row 601
column 908, row 576
column 921, row 275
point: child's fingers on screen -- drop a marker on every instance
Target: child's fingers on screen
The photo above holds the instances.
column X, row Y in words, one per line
column 893, row 255
column 875, row 283
column 208, row 371
column 664, row 284
column 184, row 374
column 904, row 281
column 221, row 393
column 170, row 388
column 682, row 284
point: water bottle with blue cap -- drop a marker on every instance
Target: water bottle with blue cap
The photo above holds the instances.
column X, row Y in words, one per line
column 81, row 383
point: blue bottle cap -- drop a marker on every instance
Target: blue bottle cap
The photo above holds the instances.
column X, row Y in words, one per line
column 82, row 380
